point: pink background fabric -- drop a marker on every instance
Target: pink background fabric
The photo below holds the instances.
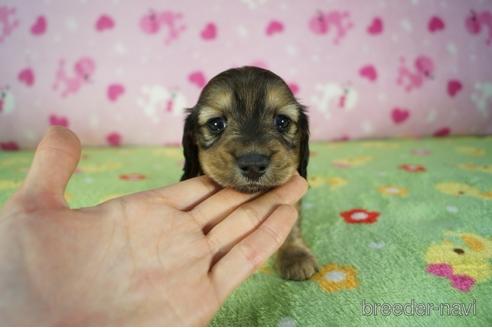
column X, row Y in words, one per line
column 121, row 72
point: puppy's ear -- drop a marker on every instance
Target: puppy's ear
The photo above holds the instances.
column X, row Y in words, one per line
column 304, row 143
column 190, row 149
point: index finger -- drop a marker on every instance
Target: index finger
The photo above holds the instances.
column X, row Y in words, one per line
column 247, row 256
column 250, row 215
column 186, row 194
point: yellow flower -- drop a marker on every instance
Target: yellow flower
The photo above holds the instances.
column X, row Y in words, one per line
column 9, row 184
column 333, row 277
column 486, row 195
column 174, row 153
column 103, row 167
column 352, row 161
column 316, row 181
column 470, row 151
column 486, row 168
column 265, row 269
column 333, row 182
column 457, row 189
column 461, row 189
column 14, row 161
column 393, row 191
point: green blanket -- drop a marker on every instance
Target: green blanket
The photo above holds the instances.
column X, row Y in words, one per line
column 401, row 228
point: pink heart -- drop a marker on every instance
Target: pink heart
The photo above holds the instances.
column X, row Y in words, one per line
column 274, row 27
column 197, row 78
column 115, row 91
column 369, row 72
column 104, row 22
column 9, row 146
column 26, row 76
column 39, row 26
column 435, row 24
column 454, row 86
column 293, row 87
column 114, row 139
column 376, row 26
column 209, row 32
column 399, row 115
column 442, row 132
column 463, row 283
column 58, row 120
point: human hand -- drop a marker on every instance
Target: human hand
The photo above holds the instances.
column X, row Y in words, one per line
column 168, row 256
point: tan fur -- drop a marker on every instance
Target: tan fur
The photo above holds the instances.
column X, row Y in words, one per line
column 218, row 161
column 208, row 112
column 295, row 260
column 277, row 96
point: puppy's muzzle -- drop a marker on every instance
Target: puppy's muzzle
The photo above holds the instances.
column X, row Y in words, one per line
column 253, row 165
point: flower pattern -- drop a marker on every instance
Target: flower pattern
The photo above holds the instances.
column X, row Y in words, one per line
column 421, row 152
column 132, row 177
column 9, row 184
column 99, row 167
column 453, row 264
column 413, row 168
column 333, row 277
column 351, row 161
column 470, row 151
column 360, row 216
column 393, row 191
column 334, row 182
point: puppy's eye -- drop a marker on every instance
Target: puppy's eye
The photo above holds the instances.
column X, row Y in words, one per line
column 216, row 125
column 282, row 122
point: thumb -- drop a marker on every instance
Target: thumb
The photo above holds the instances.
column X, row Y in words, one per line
column 55, row 160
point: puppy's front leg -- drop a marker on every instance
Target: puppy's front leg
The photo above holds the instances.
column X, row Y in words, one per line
column 295, row 260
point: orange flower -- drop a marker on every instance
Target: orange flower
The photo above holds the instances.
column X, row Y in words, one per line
column 333, row 277
column 413, row 168
column 132, row 177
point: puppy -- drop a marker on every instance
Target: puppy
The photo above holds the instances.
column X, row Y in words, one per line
column 248, row 132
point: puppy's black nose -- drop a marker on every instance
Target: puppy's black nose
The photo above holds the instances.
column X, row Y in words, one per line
column 252, row 165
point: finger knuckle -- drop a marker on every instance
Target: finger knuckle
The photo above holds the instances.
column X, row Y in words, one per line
column 272, row 234
column 213, row 244
column 290, row 211
column 251, row 215
column 250, row 254
column 278, row 196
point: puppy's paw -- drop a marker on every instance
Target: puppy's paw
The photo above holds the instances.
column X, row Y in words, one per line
column 296, row 263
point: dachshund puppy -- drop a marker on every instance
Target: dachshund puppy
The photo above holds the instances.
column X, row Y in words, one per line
column 248, row 132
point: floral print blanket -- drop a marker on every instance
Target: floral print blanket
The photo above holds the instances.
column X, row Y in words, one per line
column 402, row 230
